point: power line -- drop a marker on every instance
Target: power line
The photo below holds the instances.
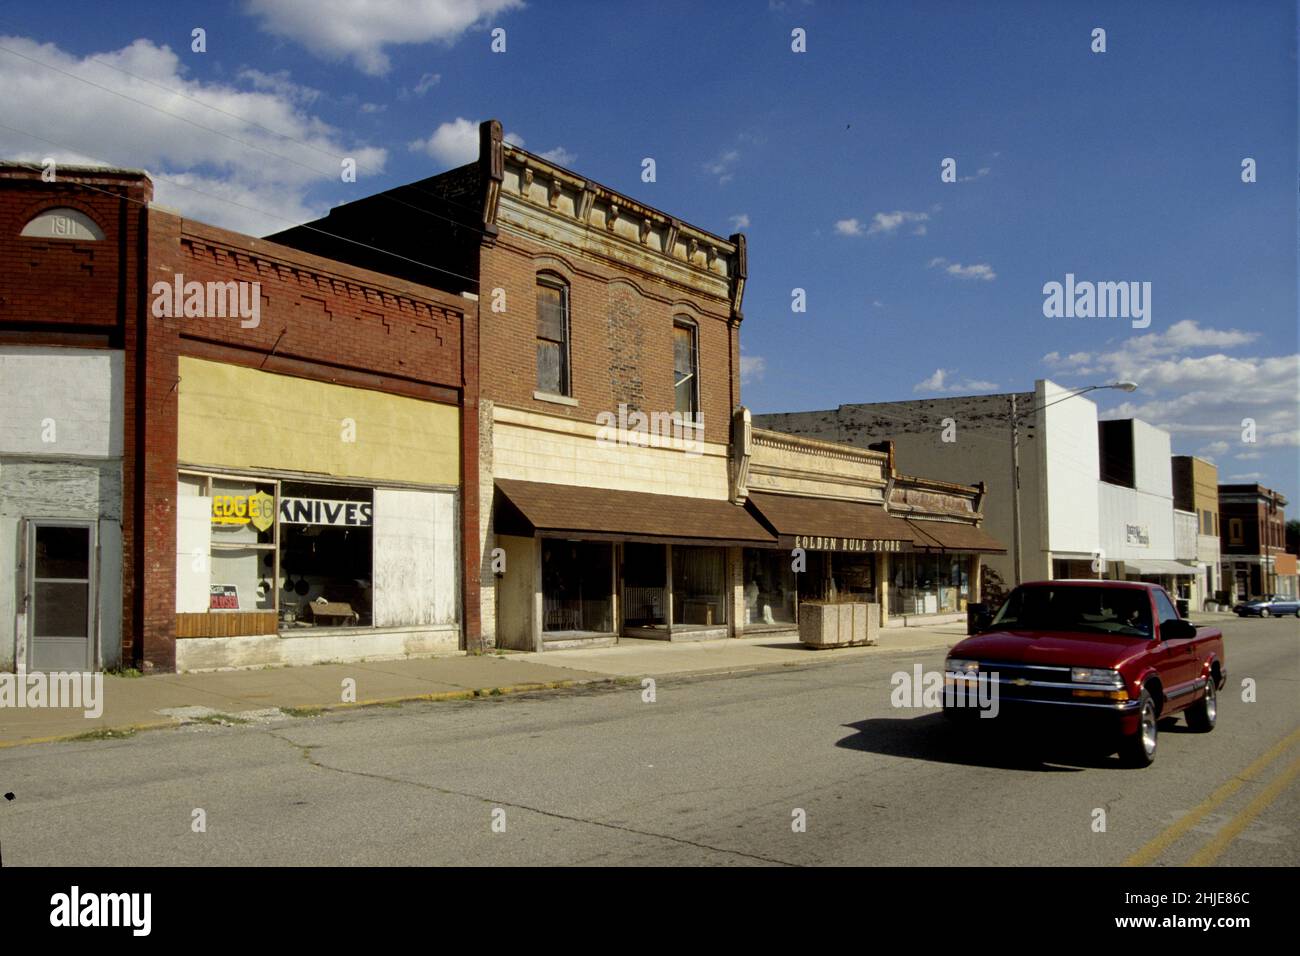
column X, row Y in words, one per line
column 224, row 112
column 329, row 174
column 179, row 185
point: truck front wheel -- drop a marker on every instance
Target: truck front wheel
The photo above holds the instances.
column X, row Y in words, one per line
column 1138, row 749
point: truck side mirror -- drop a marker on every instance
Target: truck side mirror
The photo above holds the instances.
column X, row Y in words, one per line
column 1178, row 630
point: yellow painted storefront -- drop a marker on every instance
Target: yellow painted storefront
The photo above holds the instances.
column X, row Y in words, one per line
column 235, row 417
column 315, row 521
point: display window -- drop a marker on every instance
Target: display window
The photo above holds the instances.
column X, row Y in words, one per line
column 699, row 586
column 771, row 587
column 645, row 585
column 326, row 555
column 928, row 584
column 838, row 577
column 577, row 586
column 305, row 554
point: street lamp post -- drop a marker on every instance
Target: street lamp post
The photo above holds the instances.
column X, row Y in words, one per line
column 1014, row 417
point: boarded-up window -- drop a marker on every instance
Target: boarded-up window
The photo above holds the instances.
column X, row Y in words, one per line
column 685, row 369
column 552, row 338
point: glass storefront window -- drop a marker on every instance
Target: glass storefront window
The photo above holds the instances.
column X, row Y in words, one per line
column 839, row 578
column 577, row 583
column 699, row 586
column 928, row 584
column 241, row 573
column 645, row 585
column 326, row 555
column 771, row 587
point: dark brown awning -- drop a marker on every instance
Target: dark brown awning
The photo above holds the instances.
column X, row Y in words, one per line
column 794, row 516
column 526, row 507
column 954, row 536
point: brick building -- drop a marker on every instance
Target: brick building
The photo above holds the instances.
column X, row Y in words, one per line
column 1252, row 539
column 598, row 311
column 217, row 451
column 614, row 454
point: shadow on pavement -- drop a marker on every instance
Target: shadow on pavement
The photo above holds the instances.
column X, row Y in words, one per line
column 934, row 738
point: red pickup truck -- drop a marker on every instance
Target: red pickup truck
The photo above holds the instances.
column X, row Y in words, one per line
column 1112, row 653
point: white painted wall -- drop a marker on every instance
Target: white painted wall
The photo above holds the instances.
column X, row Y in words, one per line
column 415, row 557
column 1121, row 506
column 71, row 395
column 533, row 447
column 60, row 457
column 1152, row 465
column 1185, row 525
column 83, row 490
column 1071, row 465
column 193, row 547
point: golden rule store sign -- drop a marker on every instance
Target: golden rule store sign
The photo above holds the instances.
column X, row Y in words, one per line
column 824, row 543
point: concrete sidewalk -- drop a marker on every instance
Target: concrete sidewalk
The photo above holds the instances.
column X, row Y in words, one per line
column 132, row 704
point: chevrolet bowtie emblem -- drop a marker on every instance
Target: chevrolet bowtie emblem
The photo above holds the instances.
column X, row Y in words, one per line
column 1021, row 682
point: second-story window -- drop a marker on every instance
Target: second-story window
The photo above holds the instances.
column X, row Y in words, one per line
column 552, row 337
column 1234, row 531
column 686, row 369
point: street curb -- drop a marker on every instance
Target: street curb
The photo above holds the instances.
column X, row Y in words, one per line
column 477, row 693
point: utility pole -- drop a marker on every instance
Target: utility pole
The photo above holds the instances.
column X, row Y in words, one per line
column 1015, row 483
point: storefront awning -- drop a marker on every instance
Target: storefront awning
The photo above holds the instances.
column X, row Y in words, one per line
column 1157, row 566
column 527, row 507
column 953, row 536
column 797, row 519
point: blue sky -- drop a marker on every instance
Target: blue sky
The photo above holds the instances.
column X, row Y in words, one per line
column 1115, row 166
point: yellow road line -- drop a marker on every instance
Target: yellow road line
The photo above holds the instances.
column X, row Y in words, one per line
column 1163, row 841
column 1212, row 850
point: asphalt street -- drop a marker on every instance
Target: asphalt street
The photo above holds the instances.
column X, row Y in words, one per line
column 714, row 771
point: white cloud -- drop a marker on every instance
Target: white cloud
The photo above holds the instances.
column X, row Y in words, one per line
column 346, row 29
column 228, row 153
column 740, row 221
column 848, row 227
column 979, row 174
column 455, row 143
column 373, row 107
column 981, row 270
column 888, row 222
column 723, row 166
column 560, row 156
column 279, row 84
column 752, row 368
column 427, row 82
column 932, row 384
column 1203, row 400
column 939, row 382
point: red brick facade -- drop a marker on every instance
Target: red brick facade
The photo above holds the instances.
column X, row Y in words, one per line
column 319, row 319
column 621, row 337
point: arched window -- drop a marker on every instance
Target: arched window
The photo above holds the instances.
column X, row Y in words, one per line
column 63, row 223
column 553, row 336
column 686, row 367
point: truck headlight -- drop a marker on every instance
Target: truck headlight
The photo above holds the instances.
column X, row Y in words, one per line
column 961, row 668
column 1096, row 675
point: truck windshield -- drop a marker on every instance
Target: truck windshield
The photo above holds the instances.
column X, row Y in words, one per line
column 1094, row 610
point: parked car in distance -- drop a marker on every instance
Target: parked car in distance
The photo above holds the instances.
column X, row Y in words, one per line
column 1101, row 657
column 1270, row 605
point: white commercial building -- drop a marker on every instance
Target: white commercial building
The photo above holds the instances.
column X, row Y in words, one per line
column 1096, row 498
